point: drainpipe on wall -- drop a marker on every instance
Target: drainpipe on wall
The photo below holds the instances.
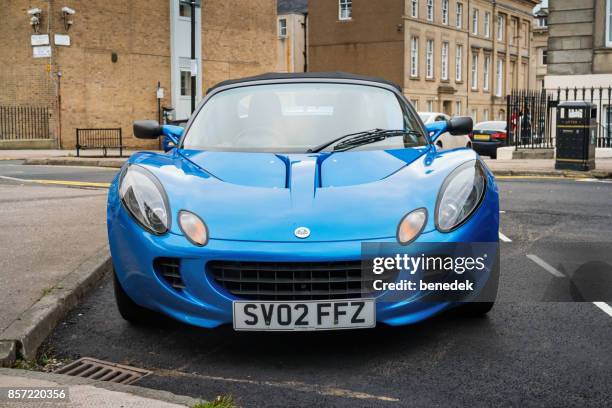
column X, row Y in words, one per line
column 469, row 60
column 305, row 24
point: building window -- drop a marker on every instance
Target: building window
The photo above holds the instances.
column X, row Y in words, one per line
column 415, row 103
column 487, row 68
column 444, row 64
column 475, row 16
column 445, row 12
column 185, row 83
column 487, row 24
column 474, row 78
column 459, row 15
column 459, row 63
column 514, row 30
column 414, row 57
column 185, row 10
column 499, row 83
column 429, row 57
column 474, row 115
column 458, row 108
column 544, row 56
column 485, row 115
column 542, row 22
column 414, row 8
column 282, row 28
column 608, row 23
column 500, row 27
column 430, row 106
column 501, row 115
column 430, row 10
column 345, row 9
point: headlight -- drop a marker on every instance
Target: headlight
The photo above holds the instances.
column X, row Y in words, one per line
column 193, row 227
column 145, row 199
column 460, row 195
column 411, row 226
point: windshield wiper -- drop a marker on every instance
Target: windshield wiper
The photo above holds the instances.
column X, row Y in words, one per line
column 362, row 138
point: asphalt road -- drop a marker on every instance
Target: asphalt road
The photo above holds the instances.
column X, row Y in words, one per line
column 545, row 343
column 14, row 169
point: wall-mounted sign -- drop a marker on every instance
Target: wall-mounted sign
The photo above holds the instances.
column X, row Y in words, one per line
column 43, row 51
column 40, row 39
column 62, row 39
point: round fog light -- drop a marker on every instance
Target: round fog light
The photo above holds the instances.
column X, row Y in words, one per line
column 193, row 227
column 411, row 226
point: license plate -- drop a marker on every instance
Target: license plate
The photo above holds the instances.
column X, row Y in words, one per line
column 309, row 315
column 482, row 137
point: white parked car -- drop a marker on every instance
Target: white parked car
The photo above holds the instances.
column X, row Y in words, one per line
column 446, row 141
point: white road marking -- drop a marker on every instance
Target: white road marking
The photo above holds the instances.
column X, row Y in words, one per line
column 14, row 179
column 504, row 238
column 293, row 385
column 594, row 180
column 605, row 307
column 502, row 212
column 545, row 266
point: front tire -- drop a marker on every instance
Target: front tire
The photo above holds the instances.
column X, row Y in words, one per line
column 129, row 310
column 482, row 304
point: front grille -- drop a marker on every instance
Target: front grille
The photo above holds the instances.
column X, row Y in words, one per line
column 169, row 269
column 290, row 280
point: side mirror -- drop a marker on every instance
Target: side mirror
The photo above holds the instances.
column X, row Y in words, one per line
column 461, row 125
column 172, row 136
column 147, row 129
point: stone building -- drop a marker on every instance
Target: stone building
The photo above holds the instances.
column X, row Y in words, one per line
column 292, row 20
column 579, row 43
column 457, row 57
column 119, row 51
column 540, row 43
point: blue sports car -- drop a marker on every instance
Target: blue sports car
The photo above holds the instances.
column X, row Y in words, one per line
column 258, row 213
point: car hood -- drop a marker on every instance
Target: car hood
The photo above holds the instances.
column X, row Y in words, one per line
column 359, row 195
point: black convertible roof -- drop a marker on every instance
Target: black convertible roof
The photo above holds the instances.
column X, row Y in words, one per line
column 306, row 75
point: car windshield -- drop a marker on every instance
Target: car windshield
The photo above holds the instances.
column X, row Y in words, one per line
column 295, row 117
column 497, row 125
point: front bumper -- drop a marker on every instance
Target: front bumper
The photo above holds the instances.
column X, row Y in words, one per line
column 203, row 303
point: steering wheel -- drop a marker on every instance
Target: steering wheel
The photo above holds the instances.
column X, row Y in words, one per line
column 258, row 134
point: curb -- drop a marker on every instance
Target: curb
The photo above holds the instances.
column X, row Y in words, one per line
column 73, row 161
column 159, row 395
column 30, row 329
column 598, row 174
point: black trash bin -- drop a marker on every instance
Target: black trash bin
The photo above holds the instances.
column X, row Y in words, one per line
column 576, row 130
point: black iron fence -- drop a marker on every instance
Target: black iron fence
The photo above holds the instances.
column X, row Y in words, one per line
column 24, row 122
column 531, row 115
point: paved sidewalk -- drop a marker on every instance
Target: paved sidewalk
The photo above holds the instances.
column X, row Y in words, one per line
column 545, row 167
column 52, row 247
column 84, row 393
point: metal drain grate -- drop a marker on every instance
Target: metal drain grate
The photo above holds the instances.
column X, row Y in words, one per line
column 94, row 369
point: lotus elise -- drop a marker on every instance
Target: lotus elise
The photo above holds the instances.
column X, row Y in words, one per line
column 257, row 213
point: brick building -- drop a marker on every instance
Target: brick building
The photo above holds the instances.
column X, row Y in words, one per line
column 119, row 51
column 457, row 57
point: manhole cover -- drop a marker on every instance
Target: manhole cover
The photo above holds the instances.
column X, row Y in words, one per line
column 94, row 369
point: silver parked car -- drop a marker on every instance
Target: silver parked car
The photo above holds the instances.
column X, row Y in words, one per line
column 446, row 141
